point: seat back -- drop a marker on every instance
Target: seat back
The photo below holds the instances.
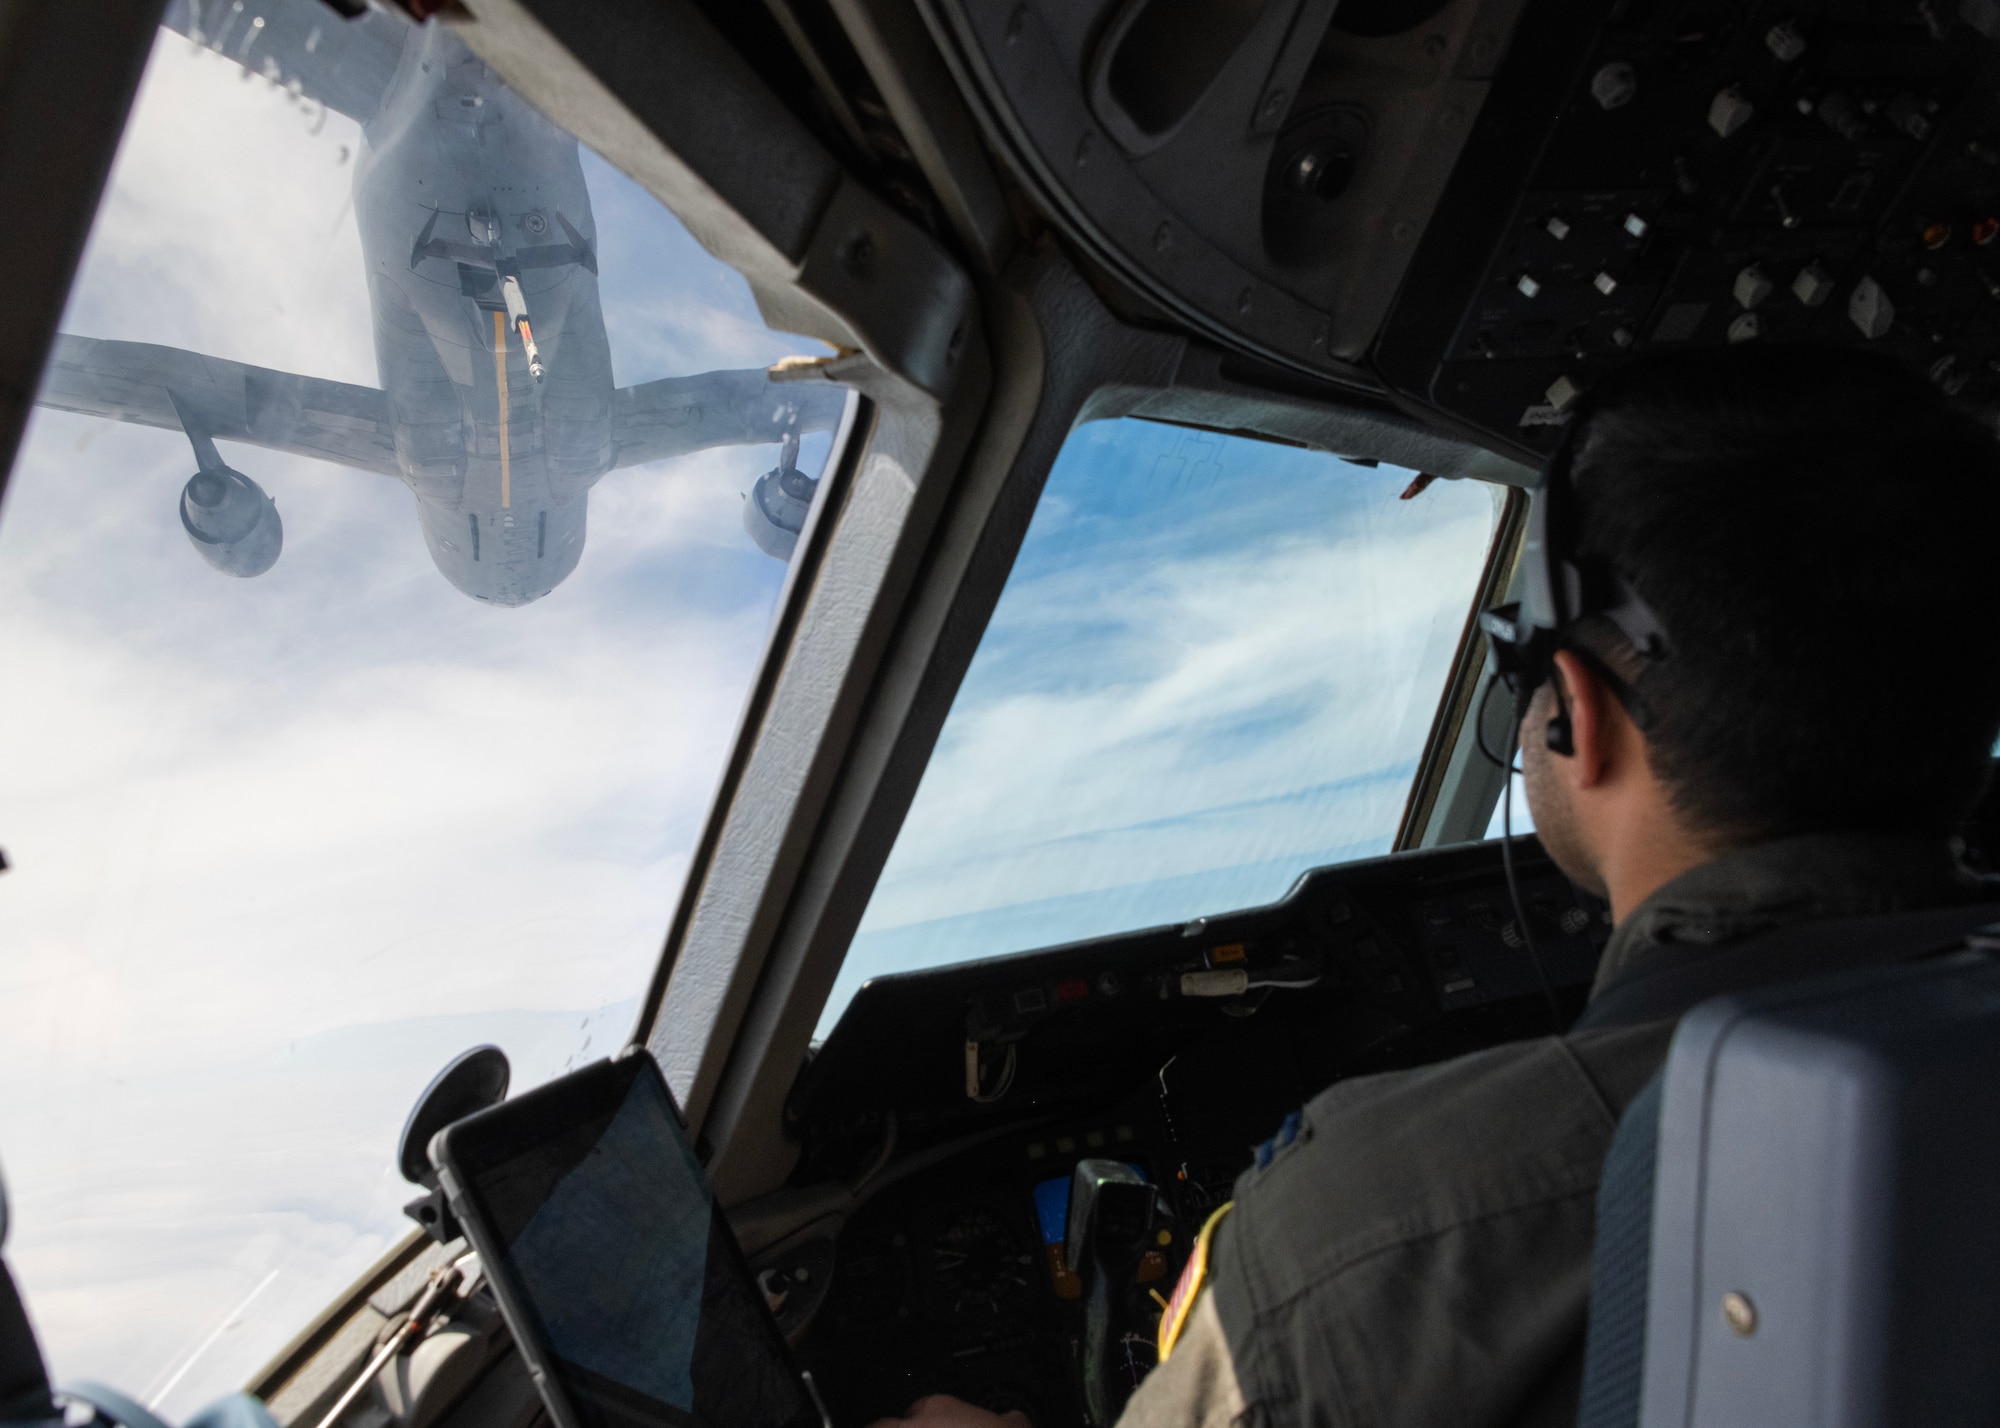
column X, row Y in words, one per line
column 1822, row 1200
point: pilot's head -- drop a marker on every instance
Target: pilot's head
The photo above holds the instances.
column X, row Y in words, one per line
column 1811, row 528
column 507, row 556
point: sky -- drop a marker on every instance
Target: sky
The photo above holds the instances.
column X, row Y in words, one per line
column 281, row 847
column 1213, row 666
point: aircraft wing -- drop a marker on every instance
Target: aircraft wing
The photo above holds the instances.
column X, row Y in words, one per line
column 301, row 45
column 676, row 415
column 310, row 416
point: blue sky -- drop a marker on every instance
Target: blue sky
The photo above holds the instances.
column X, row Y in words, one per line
column 283, row 846
column 1214, row 666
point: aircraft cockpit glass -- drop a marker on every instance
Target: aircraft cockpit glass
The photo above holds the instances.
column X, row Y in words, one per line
column 1214, row 666
column 381, row 580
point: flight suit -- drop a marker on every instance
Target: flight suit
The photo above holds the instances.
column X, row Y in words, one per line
column 1417, row 1251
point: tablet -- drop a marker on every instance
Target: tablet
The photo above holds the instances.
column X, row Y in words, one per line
column 625, row 1290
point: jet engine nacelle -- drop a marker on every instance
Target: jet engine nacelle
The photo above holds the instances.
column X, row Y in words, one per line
column 775, row 511
column 231, row 522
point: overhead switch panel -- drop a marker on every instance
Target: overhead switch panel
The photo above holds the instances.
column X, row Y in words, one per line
column 1725, row 173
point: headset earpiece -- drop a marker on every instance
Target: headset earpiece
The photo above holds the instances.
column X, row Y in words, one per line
column 1559, row 736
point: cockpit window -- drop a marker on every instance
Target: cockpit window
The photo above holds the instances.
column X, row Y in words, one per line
column 380, row 582
column 1214, row 666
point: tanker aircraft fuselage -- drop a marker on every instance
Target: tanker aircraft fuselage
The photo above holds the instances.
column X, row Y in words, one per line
column 462, row 191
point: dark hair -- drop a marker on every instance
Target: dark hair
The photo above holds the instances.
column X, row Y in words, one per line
column 1818, row 532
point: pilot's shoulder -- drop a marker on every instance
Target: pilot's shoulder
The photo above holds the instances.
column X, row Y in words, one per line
column 1420, row 1250
column 1406, row 1154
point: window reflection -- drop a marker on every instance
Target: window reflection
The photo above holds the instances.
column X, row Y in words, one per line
column 1214, row 666
column 292, row 820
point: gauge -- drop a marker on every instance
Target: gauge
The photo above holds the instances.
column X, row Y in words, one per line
column 981, row 1265
column 870, row 1285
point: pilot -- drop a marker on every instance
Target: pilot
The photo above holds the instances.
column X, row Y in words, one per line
column 1811, row 531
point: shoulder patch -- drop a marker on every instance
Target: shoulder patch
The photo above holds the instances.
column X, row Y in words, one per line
column 1193, row 1275
column 1288, row 1131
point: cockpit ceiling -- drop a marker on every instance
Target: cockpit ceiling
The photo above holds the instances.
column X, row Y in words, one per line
column 1485, row 205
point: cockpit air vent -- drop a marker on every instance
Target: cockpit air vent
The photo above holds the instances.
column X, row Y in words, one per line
column 1160, row 57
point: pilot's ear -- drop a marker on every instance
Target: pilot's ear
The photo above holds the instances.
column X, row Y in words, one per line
column 1585, row 726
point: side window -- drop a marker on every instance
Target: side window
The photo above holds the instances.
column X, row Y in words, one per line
column 1521, row 819
column 380, row 583
column 1214, row 666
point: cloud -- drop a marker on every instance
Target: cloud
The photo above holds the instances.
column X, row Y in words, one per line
column 282, row 846
column 1214, row 666
column 228, row 227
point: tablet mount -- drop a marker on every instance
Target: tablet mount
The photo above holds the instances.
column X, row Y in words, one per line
column 473, row 1081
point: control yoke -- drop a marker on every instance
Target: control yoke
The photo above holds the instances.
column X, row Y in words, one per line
column 1110, row 1224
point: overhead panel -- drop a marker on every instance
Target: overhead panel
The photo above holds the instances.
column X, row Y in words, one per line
column 1697, row 175
column 1262, row 170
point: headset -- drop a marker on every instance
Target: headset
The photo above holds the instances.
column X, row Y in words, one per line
column 1559, row 587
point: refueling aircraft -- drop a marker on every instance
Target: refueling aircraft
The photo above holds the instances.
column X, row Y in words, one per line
column 497, row 406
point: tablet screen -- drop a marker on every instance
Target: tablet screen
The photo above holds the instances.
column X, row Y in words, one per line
column 641, row 1298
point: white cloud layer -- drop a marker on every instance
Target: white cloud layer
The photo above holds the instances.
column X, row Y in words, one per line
column 282, row 846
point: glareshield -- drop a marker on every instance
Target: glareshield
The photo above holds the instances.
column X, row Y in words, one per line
column 606, row 1241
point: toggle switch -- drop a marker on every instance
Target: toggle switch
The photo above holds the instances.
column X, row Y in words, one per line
column 1813, row 285
column 1615, row 85
column 1784, row 41
column 1869, row 308
column 1729, row 111
column 1751, row 287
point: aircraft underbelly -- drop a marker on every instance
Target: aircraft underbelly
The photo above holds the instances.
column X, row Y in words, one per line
column 461, row 187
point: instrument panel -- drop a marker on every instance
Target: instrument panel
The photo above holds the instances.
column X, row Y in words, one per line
column 1172, row 1051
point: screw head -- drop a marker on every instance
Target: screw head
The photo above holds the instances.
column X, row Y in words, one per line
column 859, row 254
column 1739, row 1314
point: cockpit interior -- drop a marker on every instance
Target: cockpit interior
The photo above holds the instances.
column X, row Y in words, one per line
column 1019, row 701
